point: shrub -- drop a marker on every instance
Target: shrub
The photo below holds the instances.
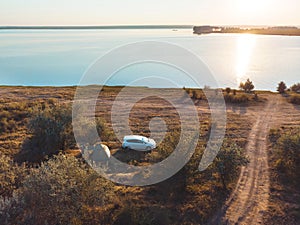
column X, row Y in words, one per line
column 256, row 97
column 11, row 175
column 247, row 86
column 228, row 90
column 51, row 130
column 142, row 215
column 9, row 119
column 274, row 135
column 197, row 94
column 281, row 87
column 228, row 162
column 62, row 190
column 294, row 99
column 296, row 88
column 242, row 98
column 4, row 126
column 166, row 147
column 287, row 153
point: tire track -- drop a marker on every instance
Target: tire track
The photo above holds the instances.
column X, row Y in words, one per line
column 249, row 200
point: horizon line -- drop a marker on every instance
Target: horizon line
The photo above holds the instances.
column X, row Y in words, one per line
column 147, row 26
column 95, row 26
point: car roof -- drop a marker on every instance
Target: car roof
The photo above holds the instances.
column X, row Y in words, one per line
column 137, row 137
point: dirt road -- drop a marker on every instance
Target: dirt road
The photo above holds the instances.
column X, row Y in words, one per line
column 249, row 200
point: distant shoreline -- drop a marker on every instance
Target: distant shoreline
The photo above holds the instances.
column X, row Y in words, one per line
column 119, row 87
column 283, row 31
column 95, row 27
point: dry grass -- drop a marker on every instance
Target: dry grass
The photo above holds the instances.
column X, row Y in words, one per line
column 284, row 194
column 189, row 197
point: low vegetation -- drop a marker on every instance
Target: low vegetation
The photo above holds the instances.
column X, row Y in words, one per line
column 237, row 98
column 51, row 131
column 11, row 176
column 49, row 186
column 286, row 149
column 13, row 115
column 294, row 99
column 62, row 190
column 284, row 162
column 227, row 163
column 296, row 88
column 292, row 94
column 230, row 95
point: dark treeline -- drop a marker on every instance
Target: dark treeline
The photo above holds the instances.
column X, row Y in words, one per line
column 292, row 31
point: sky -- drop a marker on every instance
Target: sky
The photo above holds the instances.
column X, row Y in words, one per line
column 146, row 12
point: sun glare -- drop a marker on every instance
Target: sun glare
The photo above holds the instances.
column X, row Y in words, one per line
column 245, row 46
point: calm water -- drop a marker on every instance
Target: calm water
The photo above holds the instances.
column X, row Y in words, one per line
column 60, row 57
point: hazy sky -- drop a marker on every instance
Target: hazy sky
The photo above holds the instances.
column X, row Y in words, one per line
column 113, row 12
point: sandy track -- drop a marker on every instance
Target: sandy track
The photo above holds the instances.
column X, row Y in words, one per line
column 249, row 200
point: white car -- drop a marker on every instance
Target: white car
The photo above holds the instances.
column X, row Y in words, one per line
column 139, row 143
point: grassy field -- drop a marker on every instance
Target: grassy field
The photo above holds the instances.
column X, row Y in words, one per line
column 189, row 197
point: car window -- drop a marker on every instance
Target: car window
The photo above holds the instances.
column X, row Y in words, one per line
column 135, row 141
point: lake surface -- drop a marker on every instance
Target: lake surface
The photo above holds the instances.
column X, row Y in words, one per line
column 61, row 57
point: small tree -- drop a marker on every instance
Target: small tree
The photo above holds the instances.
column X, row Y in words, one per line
column 281, row 87
column 228, row 90
column 247, row 86
column 296, row 88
